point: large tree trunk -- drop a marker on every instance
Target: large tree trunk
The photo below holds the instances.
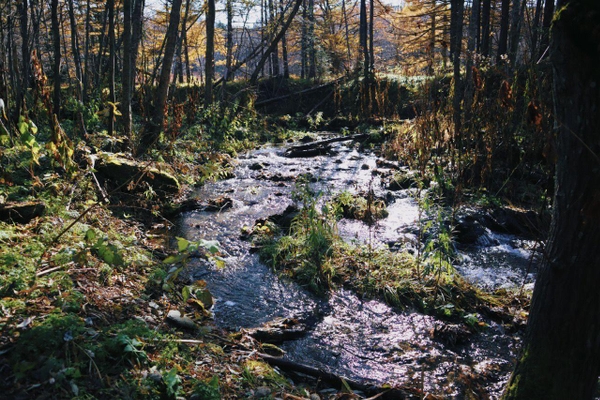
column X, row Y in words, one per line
column 155, row 125
column 210, row 52
column 562, row 345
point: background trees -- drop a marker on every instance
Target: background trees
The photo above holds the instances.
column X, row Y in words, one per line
column 110, row 52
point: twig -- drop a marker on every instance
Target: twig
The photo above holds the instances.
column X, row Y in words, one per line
column 47, row 271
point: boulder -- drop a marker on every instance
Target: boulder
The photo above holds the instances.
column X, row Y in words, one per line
column 132, row 174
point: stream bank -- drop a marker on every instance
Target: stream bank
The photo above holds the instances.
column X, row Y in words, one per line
column 363, row 339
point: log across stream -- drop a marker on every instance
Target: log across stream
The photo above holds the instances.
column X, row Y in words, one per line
column 364, row 340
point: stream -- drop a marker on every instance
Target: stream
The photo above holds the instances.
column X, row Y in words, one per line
column 362, row 339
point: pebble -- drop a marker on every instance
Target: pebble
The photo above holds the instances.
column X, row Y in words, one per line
column 261, row 392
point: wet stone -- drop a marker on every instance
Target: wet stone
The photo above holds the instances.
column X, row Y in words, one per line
column 256, row 166
column 176, row 319
column 261, row 392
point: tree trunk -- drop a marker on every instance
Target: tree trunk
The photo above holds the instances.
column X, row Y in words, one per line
column 535, row 29
column 56, row 64
column 371, row 45
column 87, row 45
column 362, row 40
column 431, row 46
column 503, row 40
column 284, row 49
column 155, row 125
column 469, row 83
column 562, row 345
column 210, row 52
column 128, row 68
column 100, row 56
column 486, row 8
column 547, row 21
column 312, row 51
column 347, row 29
column 12, row 65
column 111, row 65
column 456, row 33
column 275, row 54
column 26, row 57
column 136, row 39
column 229, row 40
column 515, row 30
column 304, row 42
column 75, row 50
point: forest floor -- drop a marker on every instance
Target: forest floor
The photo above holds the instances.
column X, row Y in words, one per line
column 90, row 303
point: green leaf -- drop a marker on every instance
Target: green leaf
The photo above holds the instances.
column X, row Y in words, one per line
column 33, row 128
column 172, row 381
column 172, row 259
column 204, row 296
column 90, row 235
column 182, row 244
column 211, row 245
column 22, row 125
column 28, row 139
column 185, row 293
column 220, row 262
column 110, row 254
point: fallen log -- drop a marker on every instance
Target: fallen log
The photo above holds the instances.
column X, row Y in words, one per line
column 339, row 381
column 21, row 213
column 320, row 147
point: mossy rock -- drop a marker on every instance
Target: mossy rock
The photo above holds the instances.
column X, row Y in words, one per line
column 402, row 181
column 131, row 174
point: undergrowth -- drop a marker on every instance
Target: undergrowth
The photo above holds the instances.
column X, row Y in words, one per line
column 86, row 286
column 313, row 253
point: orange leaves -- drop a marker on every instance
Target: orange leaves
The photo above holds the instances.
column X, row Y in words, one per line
column 505, row 95
column 477, row 80
column 534, row 113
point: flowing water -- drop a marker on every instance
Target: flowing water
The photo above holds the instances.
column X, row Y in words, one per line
column 358, row 338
